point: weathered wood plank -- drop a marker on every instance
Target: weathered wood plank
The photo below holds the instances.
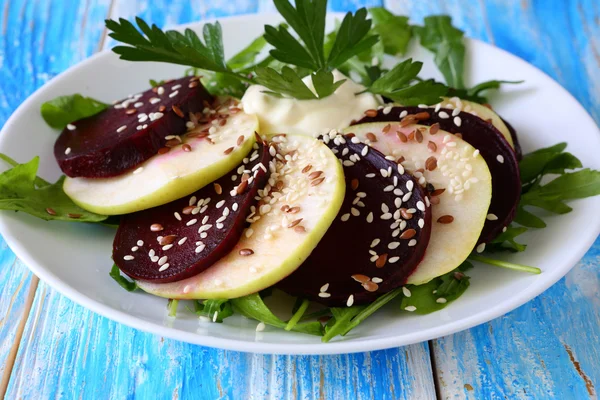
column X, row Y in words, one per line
column 536, row 351
column 33, row 49
column 68, row 347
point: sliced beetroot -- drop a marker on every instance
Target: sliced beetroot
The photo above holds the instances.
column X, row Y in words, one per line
column 183, row 238
column 130, row 132
column 377, row 239
column 497, row 153
column 515, row 138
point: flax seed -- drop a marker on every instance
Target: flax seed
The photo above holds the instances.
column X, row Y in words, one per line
column 218, row 188
column 408, row 234
column 360, row 278
column 240, row 140
column 381, row 260
column 294, row 223
column 354, row 184
column 371, row 136
column 370, row 286
column 419, row 136
column 306, row 169
column 422, row 116
column 431, row 163
column 186, row 147
column 130, row 111
column 405, row 214
column 165, row 240
column 299, row 229
column 178, row 111
column 74, row 216
column 317, row 182
column 156, row 227
column 386, row 128
column 246, row 252
column 434, row 129
column 293, row 210
column 371, row 113
column 242, row 187
column 50, row 211
column 432, row 146
column 229, row 150
column 402, row 137
column 445, row 219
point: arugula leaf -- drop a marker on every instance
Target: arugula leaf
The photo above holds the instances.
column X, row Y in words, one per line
column 394, row 30
column 22, row 190
column 297, row 315
column 527, row 219
column 506, row 240
column 125, row 283
column 505, row 264
column 154, row 83
column 446, row 42
column 172, row 307
column 396, row 85
column 214, row 309
column 475, row 93
column 62, row 110
column 252, row 306
column 427, row 298
column 532, row 165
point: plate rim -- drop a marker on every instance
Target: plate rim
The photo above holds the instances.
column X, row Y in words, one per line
column 264, row 347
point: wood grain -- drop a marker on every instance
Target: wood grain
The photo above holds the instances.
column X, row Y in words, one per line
column 534, row 352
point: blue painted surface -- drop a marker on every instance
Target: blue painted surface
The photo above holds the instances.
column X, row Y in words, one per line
column 533, row 352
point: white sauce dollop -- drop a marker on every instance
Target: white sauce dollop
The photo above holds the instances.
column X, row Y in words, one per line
column 309, row 117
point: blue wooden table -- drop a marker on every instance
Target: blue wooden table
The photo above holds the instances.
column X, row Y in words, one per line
column 50, row 347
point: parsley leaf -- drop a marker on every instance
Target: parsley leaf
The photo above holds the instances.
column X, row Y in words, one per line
column 437, row 293
column 63, row 110
column 307, row 19
column 172, row 307
column 394, row 30
column 396, row 85
column 446, row 42
column 288, row 82
column 125, row 283
column 214, row 309
column 246, row 57
column 22, row 190
column 252, row 306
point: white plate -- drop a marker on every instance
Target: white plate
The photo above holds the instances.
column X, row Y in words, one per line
column 75, row 258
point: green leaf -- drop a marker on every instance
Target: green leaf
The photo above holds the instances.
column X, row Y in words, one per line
column 172, row 307
column 214, row 309
column 287, row 82
column 62, row 110
column 125, row 283
column 324, row 84
column 533, row 164
column 351, row 38
column 505, row 264
column 394, row 31
column 297, row 315
column 399, row 76
column 396, row 84
column 506, row 240
column 22, row 190
column 247, row 56
column 220, row 84
column 252, row 306
column 424, row 92
column 525, row 218
column 439, row 292
column 446, row 42
column 154, row 83
column 308, row 21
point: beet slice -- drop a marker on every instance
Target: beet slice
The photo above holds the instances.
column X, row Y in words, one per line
column 377, row 239
column 190, row 234
column 130, row 132
column 497, row 153
column 515, row 138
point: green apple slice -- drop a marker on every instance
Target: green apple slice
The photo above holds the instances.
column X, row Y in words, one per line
column 167, row 177
column 446, row 162
column 309, row 188
column 480, row 111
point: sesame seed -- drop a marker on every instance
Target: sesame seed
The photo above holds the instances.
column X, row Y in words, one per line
column 441, row 300
column 260, row 327
column 480, row 248
column 370, row 217
column 324, row 295
column 324, row 288
column 164, row 267
column 137, row 171
column 370, row 175
column 403, row 114
column 393, row 259
column 350, row 300
column 492, row 217
column 128, row 258
column 410, row 308
column 386, row 216
column 156, row 227
column 407, row 197
column 421, row 205
column 412, row 243
column 375, row 242
column 167, row 247
column 140, row 243
column 191, row 222
column 173, row 94
column 182, row 241
column 67, row 151
column 393, row 245
column 162, row 260
column 121, row 128
column 71, row 127
column 199, row 248
column 500, row 159
column 443, row 115
column 406, row 292
column 246, row 252
column 383, row 172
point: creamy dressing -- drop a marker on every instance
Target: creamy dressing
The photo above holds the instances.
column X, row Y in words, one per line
column 309, row 117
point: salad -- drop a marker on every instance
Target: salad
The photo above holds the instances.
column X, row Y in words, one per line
column 302, row 165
